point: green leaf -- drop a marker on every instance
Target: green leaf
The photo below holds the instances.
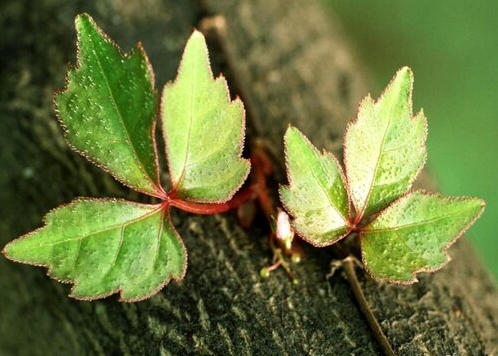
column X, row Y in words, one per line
column 316, row 196
column 203, row 130
column 105, row 247
column 385, row 147
column 108, row 109
column 413, row 234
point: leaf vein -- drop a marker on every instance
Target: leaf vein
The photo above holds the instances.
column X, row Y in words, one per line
column 324, row 190
column 144, row 171
column 415, row 224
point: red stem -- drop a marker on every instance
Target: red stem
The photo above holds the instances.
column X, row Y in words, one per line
column 262, row 167
column 242, row 196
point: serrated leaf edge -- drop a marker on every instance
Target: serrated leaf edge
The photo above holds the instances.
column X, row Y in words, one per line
column 445, row 248
column 236, row 101
column 289, row 183
column 420, row 113
column 165, row 215
column 160, row 193
column 74, row 284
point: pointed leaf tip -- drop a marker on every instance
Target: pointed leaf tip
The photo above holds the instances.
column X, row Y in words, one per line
column 413, row 234
column 84, row 22
column 203, row 130
column 100, row 120
column 197, row 38
column 316, row 196
column 384, row 147
column 404, row 76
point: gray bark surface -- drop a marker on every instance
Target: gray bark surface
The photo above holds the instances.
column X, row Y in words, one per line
column 292, row 65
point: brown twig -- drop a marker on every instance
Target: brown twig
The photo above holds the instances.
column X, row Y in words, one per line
column 349, row 268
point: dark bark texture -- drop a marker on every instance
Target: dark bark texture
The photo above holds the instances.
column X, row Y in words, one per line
column 292, row 65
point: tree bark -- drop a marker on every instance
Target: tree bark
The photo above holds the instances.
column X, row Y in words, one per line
column 291, row 64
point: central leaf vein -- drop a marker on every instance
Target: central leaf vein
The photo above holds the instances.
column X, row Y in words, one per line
column 376, row 167
column 324, row 190
column 121, row 120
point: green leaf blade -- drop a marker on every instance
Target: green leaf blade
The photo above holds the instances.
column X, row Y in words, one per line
column 316, row 196
column 105, row 247
column 203, row 130
column 385, row 147
column 413, row 234
column 108, row 109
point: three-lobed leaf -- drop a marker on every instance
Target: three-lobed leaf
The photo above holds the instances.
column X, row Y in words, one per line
column 108, row 108
column 401, row 234
column 203, row 130
column 413, row 234
column 384, row 148
column 316, row 195
column 105, row 247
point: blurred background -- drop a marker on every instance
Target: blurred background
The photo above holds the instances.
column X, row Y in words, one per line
column 452, row 47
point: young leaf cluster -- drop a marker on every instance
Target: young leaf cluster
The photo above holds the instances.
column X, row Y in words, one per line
column 401, row 232
column 108, row 110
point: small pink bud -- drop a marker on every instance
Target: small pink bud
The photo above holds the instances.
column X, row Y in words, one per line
column 284, row 230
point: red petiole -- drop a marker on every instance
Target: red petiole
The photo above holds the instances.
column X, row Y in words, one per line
column 243, row 195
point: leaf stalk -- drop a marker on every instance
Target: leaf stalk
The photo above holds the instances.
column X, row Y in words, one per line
column 243, row 195
column 348, row 264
